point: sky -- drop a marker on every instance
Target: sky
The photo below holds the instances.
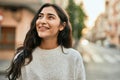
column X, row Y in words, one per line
column 93, row 8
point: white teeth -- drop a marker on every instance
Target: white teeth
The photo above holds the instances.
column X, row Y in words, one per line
column 42, row 27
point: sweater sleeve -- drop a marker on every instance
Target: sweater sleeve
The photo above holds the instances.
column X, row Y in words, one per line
column 80, row 69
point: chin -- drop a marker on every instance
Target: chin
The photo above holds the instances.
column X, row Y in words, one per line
column 42, row 36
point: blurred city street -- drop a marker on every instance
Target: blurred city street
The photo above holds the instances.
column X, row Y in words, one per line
column 5, row 59
column 100, row 63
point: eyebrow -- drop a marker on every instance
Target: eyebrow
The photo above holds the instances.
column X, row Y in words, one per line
column 48, row 14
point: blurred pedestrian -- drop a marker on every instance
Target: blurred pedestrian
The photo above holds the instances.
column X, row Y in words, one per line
column 47, row 52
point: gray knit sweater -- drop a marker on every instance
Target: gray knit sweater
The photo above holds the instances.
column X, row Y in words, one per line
column 53, row 64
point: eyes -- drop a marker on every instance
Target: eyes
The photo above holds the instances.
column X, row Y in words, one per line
column 47, row 16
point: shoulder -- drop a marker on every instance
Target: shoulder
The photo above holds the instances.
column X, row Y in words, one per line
column 73, row 52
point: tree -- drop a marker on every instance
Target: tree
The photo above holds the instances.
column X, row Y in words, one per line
column 77, row 17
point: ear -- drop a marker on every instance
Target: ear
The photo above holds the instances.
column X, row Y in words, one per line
column 62, row 26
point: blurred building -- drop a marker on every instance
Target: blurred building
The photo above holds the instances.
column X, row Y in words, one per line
column 15, row 19
column 113, row 16
column 107, row 25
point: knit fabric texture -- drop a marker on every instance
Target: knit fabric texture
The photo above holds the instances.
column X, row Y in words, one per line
column 54, row 64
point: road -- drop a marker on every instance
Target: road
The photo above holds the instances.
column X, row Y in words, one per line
column 100, row 63
column 4, row 64
column 2, row 77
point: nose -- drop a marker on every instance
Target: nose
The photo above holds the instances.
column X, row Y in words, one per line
column 43, row 20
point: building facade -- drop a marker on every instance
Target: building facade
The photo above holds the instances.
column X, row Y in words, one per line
column 13, row 26
column 107, row 25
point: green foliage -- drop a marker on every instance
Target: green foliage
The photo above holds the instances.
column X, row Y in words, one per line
column 77, row 17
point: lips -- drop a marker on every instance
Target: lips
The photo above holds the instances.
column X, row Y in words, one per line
column 43, row 28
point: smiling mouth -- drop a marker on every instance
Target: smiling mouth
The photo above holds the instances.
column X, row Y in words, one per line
column 43, row 28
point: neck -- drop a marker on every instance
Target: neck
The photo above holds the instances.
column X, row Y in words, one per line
column 48, row 44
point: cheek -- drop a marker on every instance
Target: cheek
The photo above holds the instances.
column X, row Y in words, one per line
column 37, row 22
column 54, row 24
column 54, row 30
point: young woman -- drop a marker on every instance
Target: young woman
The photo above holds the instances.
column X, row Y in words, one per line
column 47, row 52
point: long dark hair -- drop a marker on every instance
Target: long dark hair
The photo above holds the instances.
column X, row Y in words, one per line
column 32, row 40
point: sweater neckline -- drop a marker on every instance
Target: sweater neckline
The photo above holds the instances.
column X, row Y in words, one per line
column 58, row 48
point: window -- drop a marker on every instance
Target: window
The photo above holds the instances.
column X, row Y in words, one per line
column 7, row 38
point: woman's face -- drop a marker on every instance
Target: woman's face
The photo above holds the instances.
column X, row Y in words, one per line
column 48, row 24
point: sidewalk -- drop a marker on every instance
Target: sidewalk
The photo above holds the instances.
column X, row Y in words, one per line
column 5, row 59
column 4, row 64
